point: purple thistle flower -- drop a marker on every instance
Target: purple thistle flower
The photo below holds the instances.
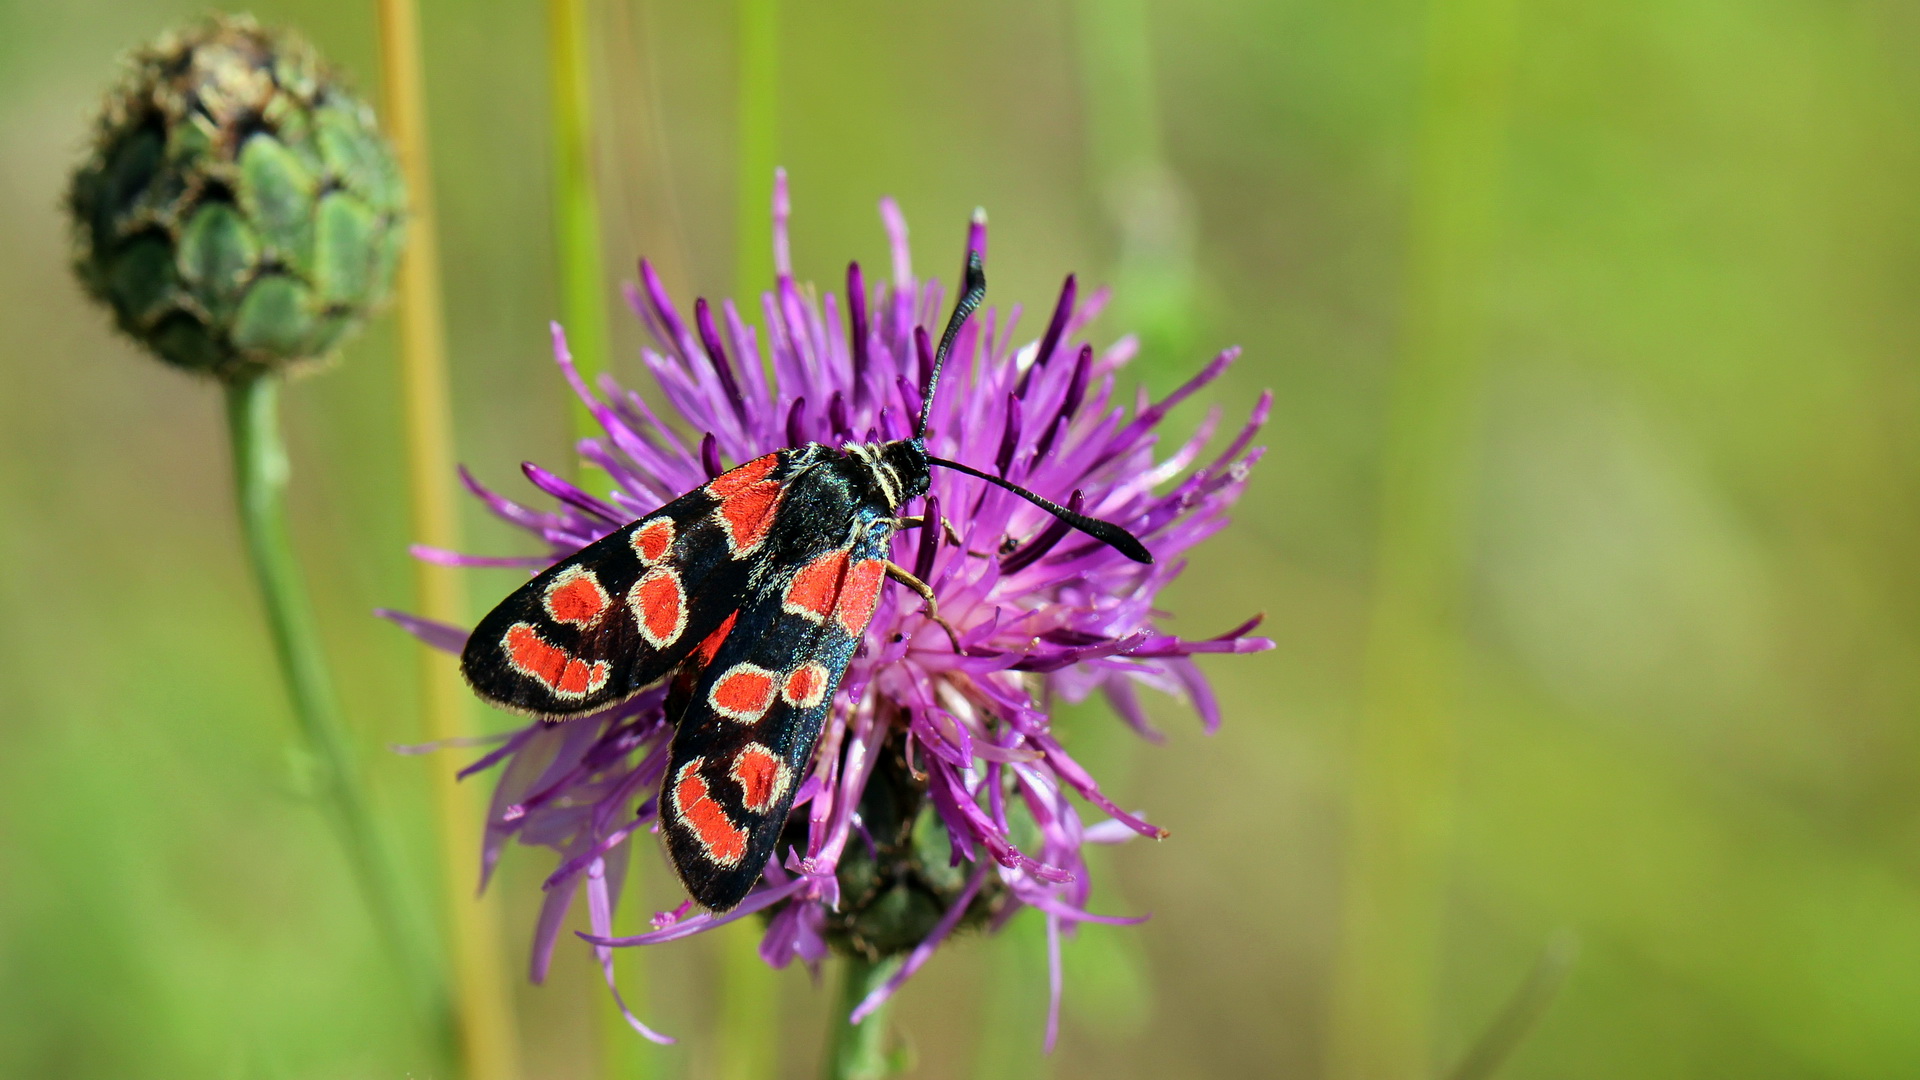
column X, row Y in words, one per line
column 938, row 796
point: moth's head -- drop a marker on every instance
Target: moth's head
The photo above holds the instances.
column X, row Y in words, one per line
column 909, row 460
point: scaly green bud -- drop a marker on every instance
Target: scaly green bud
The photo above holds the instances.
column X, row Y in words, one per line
column 240, row 211
column 893, row 893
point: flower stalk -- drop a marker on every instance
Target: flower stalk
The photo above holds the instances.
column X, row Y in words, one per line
column 260, row 473
column 859, row 1051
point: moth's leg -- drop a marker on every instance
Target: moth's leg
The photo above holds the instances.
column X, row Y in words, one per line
column 913, row 522
column 905, row 577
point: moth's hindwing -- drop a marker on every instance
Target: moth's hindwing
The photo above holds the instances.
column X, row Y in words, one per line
column 753, row 713
column 602, row 624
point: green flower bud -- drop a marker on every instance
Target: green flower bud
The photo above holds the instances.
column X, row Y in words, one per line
column 239, row 210
column 892, row 894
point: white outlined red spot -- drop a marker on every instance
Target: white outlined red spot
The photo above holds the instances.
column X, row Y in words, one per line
column 574, row 597
column 747, row 503
column 762, row 776
column 566, row 675
column 659, row 606
column 860, row 595
column 723, row 841
column 816, row 586
column 805, row 686
column 744, row 693
column 653, row 540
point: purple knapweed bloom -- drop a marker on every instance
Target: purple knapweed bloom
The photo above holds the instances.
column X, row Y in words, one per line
column 938, row 795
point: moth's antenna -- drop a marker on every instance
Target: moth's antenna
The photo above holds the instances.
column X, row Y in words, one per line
column 976, row 291
column 1106, row 532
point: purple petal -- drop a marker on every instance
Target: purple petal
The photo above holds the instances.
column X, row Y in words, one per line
column 571, row 495
column 782, row 212
column 759, row 901
column 600, row 915
column 443, row 557
column 1053, row 981
column 437, row 634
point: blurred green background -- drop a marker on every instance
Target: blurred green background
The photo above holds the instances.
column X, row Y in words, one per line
column 1587, row 530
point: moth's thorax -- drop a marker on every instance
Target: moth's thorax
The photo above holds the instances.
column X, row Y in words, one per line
column 891, row 472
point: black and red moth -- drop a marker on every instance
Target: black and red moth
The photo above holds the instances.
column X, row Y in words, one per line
column 752, row 592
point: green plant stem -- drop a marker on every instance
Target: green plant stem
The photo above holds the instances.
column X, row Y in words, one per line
column 576, row 201
column 858, row 1051
column 260, row 484
column 1387, row 957
column 1147, row 204
column 1013, row 1015
column 758, row 150
column 749, row 1022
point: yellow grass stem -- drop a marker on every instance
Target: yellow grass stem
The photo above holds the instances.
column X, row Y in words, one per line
column 1401, row 824
column 488, row 1041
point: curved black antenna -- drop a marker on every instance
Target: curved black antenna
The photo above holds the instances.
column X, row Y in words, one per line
column 976, row 291
column 1106, row 532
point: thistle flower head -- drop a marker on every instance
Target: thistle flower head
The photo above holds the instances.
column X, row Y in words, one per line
column 238, row 210
column 939, row 796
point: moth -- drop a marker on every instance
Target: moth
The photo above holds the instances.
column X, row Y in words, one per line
column 752, row 594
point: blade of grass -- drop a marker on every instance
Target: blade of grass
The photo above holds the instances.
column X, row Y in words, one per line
column 1403, row 764
column 1146, row 201
column 576, row 201
column 483, row 1016
column 1529, row 1003
column 758, row 135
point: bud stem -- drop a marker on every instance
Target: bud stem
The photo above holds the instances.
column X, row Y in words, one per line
column 260, row 473
column 858, row 1051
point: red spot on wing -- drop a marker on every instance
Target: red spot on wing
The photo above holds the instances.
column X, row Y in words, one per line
column 659, row 605
column 575, row 597
column 805, row 686
column 861, row 595
column 813, row 590
column 531, row 655
column 704, row 652
column 724, row 841
column 747, row 500
column 762, row 777
column 553, row 667
column 652, row 540
column 743, row 693
column 580, row 680
column 747, row 515
column 744, row 476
